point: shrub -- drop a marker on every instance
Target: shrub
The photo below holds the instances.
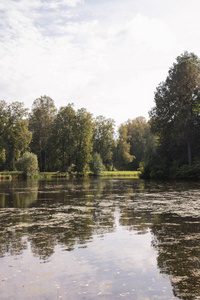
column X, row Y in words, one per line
column 28, row 164
column 96, row 165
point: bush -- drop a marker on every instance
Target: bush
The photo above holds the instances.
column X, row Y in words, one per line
column 28, row 164
column 154, row 167
column 96, row 165
column 71, row 169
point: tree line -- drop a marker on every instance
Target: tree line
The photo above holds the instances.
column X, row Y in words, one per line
column 69, row 140
column 175, row 122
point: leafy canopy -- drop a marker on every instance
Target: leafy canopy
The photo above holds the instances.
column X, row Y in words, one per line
column 175, row 119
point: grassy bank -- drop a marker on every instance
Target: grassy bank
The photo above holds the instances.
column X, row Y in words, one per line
column 131, row 174
column 48, row 175
column 6, row 175
column 9, row 175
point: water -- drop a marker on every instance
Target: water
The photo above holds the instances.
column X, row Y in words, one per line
column 99, row 239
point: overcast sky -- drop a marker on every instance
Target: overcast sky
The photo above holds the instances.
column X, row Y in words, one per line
column 105, row 55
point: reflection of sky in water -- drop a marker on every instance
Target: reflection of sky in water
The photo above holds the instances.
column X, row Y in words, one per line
column 99, row 239
column 113, row 265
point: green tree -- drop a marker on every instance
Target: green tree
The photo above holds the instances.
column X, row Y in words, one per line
column 70, row 141
column 2, row 157
column 83, row 140
column 141, row 140
column 97, row 165
column 40, row 122
column 175, row 119
column 103, row 139
column 3, row 122
column 28, row 163
column 123, row 156
column 14, row 134
column 62, row 139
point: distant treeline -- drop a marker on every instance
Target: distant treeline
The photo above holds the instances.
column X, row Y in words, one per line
column 175, row 121
column 69, row 140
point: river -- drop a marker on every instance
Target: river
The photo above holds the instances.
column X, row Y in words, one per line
column 99, row 239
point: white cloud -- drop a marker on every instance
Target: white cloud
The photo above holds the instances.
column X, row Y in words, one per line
column 155, row 33
column 72, row 3
column 54, row 4
column 109, row 65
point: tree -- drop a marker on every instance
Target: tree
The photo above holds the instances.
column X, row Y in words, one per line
column 83, row 140
column 176, row 117
column 123, row 156
column 103, row 139
column 140, row 140
column 70, row 141
column 2, row 157
column 28, row 163
column 62, row 139
column 14, row 134
column 96, row 165
column 3, row 122
column 40, row 121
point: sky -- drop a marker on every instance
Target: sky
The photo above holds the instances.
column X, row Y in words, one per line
column 107, row 56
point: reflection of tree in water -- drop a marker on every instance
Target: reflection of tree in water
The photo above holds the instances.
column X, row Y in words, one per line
column 177, row 241
column 18, row 194
column 69, row 219
column 71, row 212
column 68, row 214
column 2, row 200
column 13, row 197
column 63, row 214
column 11, row 240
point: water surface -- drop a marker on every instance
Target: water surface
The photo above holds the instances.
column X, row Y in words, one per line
column 99, row 239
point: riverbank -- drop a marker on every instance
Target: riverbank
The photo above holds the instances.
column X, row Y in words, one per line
column 10, row 175
column 6, row 175
column 124, row 174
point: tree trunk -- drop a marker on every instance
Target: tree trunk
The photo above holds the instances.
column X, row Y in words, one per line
column 63, row 160
column 189, row 154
